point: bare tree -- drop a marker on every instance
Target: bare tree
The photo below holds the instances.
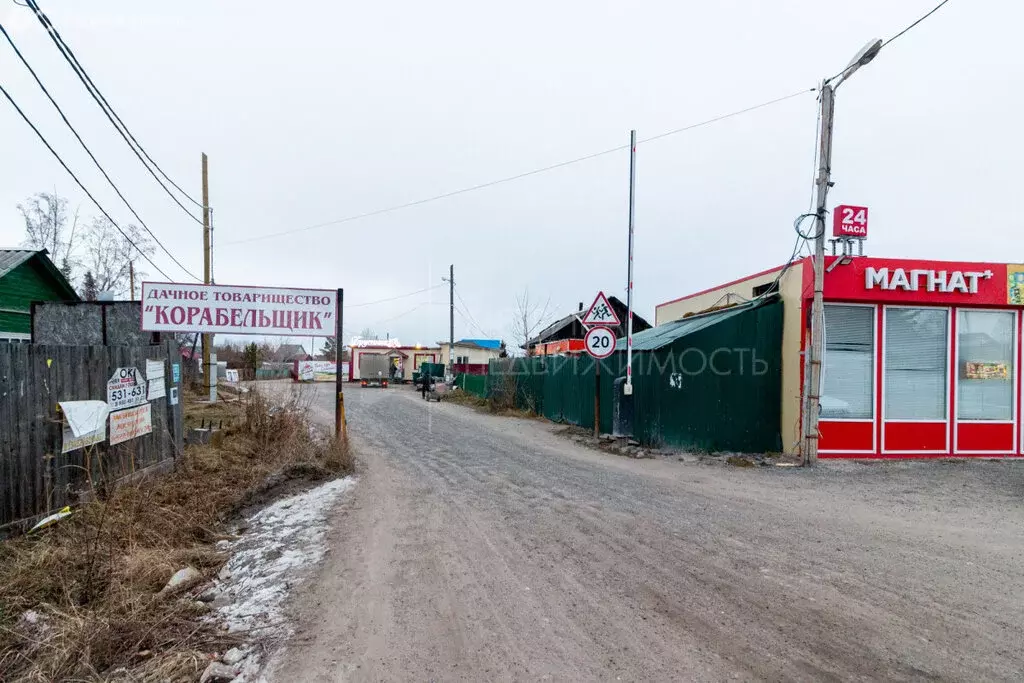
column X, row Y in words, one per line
column 367, row 333
column 49, row 225
column 108, row 254
column 530, row 318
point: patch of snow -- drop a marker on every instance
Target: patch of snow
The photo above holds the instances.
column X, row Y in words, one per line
column 283, row 543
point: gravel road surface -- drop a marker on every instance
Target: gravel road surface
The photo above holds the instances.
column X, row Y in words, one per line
column 490, row 548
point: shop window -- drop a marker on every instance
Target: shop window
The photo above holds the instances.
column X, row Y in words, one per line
column 849, row 363
column 916, row 353
column 985, row 365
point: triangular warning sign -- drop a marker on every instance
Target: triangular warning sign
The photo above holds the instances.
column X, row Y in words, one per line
column 601, row 313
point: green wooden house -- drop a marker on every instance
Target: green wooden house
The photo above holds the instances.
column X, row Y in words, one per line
column 27, row 275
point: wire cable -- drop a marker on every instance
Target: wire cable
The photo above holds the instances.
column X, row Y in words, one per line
column 886, row 42
column 520, row 176
column 91, row 155
column 111, row 115
column 79, row 182
column 394, row 298
column 472, row 320
column 934, row 10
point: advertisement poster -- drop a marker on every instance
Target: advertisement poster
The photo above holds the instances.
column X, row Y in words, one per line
column 224, row 309
column 130, row 424
column 1015, row 285
column 125, row 388
column 85, row 424
column 316, row 370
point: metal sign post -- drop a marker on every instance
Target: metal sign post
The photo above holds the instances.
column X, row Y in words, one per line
column 600, row 343
column 340, row 426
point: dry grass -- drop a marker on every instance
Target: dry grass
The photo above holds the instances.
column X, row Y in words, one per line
column 93, row 580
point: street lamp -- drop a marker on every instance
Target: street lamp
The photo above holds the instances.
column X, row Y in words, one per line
column 812, row 373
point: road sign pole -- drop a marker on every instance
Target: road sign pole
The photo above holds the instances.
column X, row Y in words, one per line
column 627, row 389
column 340, row 427
column 597, row 397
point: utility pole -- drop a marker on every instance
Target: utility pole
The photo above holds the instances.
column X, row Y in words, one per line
column 627, row 388
column 209, row 369
column 812, row 388
column 451, row 320
column 131, row 277
column 814, row 349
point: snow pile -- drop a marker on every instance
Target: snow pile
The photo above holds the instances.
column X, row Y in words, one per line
column 282, row 538
column 282, row 543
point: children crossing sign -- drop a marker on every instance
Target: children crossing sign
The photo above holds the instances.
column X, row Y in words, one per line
column 601, row 313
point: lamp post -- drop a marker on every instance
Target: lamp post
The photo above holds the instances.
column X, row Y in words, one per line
column 812, row 374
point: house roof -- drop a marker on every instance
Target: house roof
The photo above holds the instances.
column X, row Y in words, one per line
column 568, row 320
column 490, row 344
column 12, row 258
column 482, row 343
column 663, row 335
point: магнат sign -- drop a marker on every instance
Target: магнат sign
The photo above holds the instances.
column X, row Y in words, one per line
column 227, row 309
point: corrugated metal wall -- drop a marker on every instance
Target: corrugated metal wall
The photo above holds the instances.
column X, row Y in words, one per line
column 717, row 389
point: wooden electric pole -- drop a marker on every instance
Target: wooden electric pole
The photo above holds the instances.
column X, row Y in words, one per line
column 451, row 321
column 209, row 370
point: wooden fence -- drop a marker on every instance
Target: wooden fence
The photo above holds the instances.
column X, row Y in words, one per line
column 35, row 477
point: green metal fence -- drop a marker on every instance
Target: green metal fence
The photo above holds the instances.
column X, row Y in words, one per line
column 472, row 384
column 717, row 388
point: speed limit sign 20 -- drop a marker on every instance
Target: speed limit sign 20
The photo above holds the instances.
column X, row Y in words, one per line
column 600, row 342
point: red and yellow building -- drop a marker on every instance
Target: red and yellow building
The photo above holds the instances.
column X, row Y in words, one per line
column 921, row 358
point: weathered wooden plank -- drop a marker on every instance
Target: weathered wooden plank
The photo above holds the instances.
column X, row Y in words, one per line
column 8, row 434
column 34, row 476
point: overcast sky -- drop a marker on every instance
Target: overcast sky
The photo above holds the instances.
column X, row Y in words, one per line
column 318, row 111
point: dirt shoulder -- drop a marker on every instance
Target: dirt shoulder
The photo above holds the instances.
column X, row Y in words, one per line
column 93, row 597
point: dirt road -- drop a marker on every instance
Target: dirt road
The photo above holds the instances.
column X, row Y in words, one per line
column 487, row 548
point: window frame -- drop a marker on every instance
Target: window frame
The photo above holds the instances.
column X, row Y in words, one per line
column 950, row 311
column 875, row 389
column 1014, row 378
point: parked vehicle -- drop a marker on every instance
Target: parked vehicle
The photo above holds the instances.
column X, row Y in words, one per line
column 374, row 369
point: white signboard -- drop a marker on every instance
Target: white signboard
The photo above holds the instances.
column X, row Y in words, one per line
column 225, row 309
column 157, row 389
column 360, row 343
column 231, row 375
column 601, row 313
column 600, row 342
column 130, row 424
column 154, row 369
column 86, row 424
column 126, row 388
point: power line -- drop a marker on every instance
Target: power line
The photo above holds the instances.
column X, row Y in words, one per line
column 519, row 176
column 905, row 30
column 79, row 182
column 89, row 152
column 472, row 320
column 111, row 115
column 394, row 298
column 934, row 10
